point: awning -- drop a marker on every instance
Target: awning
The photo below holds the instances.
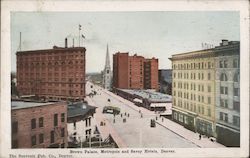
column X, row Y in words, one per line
column 158, row 105
column 137, row 100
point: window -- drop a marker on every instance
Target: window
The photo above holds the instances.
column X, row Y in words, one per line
column 90, row 121
column 41, row 122
column 236, row 121
column 208, row 88
column 14, row 127
column 55, row 119
column 236, row 77
column 52, row 137
column 33, row 140
column 63, row 117
column 41, row 138
column 33, row 123
column 74, row 125
column 223, row 117
column 208, row 76
column 225, row 63
column 223, row 77
column 236, row 106
column 209, row 112
column 224, row 90
column 236, row 91
column 221, row 64
column 62, row 132
column 14, row 144
column 209, row 100
column 209, row 65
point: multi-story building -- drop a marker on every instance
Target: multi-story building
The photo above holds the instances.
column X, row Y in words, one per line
column 39, row 125
column 151, row 74
column 165, row 81
column 120, row 70
column 54, row 74
column 227, row 81
column 107, row 74
column 134, row 72
column 194, row 90
column 206, row 91
column 81, row 123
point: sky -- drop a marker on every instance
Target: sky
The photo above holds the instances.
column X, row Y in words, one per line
column 158, row 34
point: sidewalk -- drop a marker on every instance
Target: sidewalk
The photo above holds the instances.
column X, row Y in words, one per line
column 187, row 134
column 107, row 129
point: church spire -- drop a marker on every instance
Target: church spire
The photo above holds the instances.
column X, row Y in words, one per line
column 107, row 64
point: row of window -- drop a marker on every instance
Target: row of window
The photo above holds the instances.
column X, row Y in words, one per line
column 192, row 76
column 187, row 66
column 51, row 56
column 224, row 91
column 194, row 108
column 48, row 64
column 192, row 86
column 224, row 104
column 192, row 97
column 224, row 118
column 41, row 137
column 207, row 65
column 224, row 64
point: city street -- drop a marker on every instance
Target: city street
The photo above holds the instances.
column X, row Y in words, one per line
column 136, row 131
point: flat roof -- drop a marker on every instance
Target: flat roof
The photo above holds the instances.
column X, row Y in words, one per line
column 150, row 94
column 79, row 109
column 28, row 104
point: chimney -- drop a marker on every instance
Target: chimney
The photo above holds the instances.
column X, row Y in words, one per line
column 66, row 43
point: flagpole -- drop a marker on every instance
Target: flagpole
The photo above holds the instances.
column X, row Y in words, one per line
column 79, row 34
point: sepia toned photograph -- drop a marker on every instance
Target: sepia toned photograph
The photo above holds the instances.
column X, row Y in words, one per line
column 125, row 82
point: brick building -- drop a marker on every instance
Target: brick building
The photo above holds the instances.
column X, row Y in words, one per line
column 54, row 74
column 134, row 72
column 151, row 74
column 39, row 125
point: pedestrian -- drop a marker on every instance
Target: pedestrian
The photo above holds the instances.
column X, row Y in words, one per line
column 139, row 111
column 128, row 114
column 125, row 113
column 199, row 136
column 162, row 119
column 121, row 115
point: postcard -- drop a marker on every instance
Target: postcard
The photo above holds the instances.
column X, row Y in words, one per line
column 124, row 79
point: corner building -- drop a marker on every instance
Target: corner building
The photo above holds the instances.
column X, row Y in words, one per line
column 39, row 124
column 206, row 91
column 194, row 91
column 52, row 74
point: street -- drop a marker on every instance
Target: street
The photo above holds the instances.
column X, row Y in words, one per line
column 136, row 131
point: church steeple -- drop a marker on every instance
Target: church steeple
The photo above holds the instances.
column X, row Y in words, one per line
column 107, row 74
column 107, row 63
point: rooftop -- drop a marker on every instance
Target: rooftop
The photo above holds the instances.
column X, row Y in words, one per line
column 149, row 94
column 54, row 49
column 27, row 104
column 80, row 109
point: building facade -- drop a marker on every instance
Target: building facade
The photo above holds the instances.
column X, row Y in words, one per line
column 227, row 81
column 52, row 74
column 193, row 91
column 206, row 91
column 81, row 123
column 151, row 74
column 39, row 125
column 134, row 72
column 107, row 74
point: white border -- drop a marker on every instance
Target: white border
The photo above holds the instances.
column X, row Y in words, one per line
column 9, row 6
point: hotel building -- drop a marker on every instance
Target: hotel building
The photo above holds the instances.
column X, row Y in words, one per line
column 206, row 90
column 134, row 72
column 52, row 74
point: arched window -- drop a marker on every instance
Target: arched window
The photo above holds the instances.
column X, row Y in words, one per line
column 223, row 77
column 236, row 77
